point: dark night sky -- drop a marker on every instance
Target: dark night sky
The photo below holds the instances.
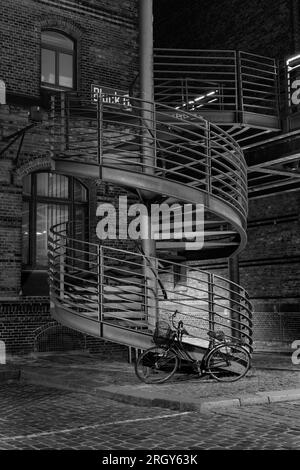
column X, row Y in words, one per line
column 166, row 12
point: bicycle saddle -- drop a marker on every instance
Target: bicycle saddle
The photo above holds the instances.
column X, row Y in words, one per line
column 219, row 335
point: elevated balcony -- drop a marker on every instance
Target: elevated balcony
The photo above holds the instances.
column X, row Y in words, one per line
column 235, row 90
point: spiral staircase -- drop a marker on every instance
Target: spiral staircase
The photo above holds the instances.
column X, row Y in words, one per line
column 182, row 150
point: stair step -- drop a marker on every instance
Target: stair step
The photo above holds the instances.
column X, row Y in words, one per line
column 141, row 324
column 119, row 277
column 168, row 245
column 125, row 315
column 84, row 290
column 123, row 297
column 130, row 289
column 133, row 306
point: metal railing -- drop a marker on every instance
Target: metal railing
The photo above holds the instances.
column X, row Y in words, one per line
column 115, row 133
column 220, row 80
column 109, row 285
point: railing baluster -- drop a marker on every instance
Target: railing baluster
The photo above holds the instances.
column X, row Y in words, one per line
column 100, row 132
column 100, row 281
column 209, row 187
column 63, row 122
column 62, row 272
column 239, row 85
column 211, row 305
column 52, row 125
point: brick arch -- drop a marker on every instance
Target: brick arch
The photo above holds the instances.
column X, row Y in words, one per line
column 56, row 337
column 42, row 163
column 70, row 28
column 65, row 26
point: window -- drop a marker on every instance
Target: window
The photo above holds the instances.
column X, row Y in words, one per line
column 49, row 199
column 57, row 60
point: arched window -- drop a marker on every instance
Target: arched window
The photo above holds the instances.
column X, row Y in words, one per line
column 48, row 198
column 57, row 60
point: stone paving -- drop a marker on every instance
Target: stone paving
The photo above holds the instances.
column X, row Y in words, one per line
column 35, row 417
column 88, row 373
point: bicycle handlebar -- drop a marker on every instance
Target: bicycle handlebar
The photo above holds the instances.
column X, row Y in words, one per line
column 179, row 328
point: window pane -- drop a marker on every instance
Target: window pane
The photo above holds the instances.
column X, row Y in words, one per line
column 80, row 193
column 81, row 259
column 66, row 70
column 25, row 233
column 52, row 185
column 80, row 223
column 27, row 185
column 48, row 66
column 47, row 215
column 57, row 40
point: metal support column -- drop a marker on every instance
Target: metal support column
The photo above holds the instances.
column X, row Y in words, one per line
column 147, row 138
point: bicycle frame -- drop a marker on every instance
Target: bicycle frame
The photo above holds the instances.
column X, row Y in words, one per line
column 181, row 352
column 178, row 347
column 221, row 358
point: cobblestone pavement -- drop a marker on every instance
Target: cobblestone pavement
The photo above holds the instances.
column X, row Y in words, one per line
column 86, row 372
column 34, row 417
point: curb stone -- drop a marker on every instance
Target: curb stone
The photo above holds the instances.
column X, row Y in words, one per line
column 142, row 397
column 9, row 374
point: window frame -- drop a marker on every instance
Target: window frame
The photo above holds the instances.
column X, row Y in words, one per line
column 59, row 50
column 33, row 199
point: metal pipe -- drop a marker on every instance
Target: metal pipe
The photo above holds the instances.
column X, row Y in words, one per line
column 146, row 50
column 148, row 139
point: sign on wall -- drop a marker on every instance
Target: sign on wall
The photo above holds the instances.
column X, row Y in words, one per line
column 293, row 82
column 2, row 92
column 111, row 96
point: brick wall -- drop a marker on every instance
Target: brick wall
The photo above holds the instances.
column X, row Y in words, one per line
column 105, row 35
column 269, row 267
column 256, row 26
column 26, row 326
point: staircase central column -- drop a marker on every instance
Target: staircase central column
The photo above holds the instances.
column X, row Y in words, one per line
column 148, row 147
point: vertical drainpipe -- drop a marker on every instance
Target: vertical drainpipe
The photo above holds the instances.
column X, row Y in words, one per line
column 148, row 143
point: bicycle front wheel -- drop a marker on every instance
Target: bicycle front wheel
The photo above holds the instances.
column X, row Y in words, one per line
column 156, row 365
column 228, row 362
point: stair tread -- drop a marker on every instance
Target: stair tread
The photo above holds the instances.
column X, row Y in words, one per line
column 124, row 305
column 124, row 315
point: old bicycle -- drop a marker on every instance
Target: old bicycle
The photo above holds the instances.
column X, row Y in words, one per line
column 224, row 360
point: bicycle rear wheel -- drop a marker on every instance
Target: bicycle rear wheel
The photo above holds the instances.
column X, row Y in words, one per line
column 156, row 365
column 228, row 362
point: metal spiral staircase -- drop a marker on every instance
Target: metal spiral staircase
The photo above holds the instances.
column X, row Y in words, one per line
column 185, row 149
column 119, row 294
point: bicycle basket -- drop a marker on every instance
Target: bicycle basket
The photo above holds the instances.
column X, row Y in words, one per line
column 163, row 334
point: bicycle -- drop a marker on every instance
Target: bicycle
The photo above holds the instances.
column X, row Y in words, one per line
column 224, row 360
